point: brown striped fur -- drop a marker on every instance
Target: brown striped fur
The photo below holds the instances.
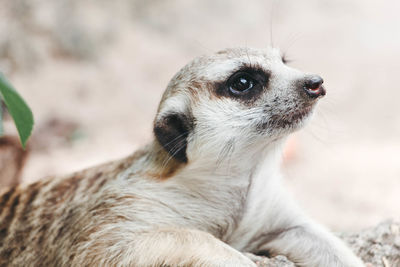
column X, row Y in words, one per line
column 38, row 216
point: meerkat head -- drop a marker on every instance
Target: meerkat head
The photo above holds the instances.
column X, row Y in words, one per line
column 234, row 99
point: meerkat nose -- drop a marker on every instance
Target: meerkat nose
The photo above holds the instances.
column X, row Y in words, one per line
column 313, row 87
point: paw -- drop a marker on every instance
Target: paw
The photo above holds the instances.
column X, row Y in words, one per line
column 277, row 260
column 240, row 261
column 254, row 258
column 228, row 258
column 355, row 262
column 234, row 263
column 235, row 259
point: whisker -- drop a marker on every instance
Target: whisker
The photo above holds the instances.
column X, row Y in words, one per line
column 225, row 151
column 271, row 23
column 179, row 136
column 170, row 157
column 175, row 149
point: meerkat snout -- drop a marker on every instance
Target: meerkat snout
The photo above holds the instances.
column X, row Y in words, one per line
column 313, row 87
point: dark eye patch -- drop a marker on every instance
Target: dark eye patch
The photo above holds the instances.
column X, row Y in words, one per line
column 245, row 84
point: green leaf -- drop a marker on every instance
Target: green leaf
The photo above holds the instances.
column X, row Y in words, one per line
column 18, row 109
column 1, row 118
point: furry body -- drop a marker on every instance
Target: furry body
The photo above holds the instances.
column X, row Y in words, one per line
column 203, row 192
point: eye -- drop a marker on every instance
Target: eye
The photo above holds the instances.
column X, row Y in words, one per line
column 246, row 84
column 240, row 83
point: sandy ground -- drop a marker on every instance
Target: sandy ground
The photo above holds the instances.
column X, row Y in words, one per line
column 93, row 73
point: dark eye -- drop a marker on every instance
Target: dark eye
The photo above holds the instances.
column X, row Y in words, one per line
column 246, row 84
column 241, row 83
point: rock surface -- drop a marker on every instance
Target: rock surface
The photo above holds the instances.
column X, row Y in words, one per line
column 378, row 247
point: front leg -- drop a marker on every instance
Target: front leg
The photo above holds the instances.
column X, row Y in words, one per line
column 311, row 245
column 162, row 247
column 302, row 240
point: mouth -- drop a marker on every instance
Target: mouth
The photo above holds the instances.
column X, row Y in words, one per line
column 289, row 119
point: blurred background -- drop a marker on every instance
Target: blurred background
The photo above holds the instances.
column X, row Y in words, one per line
column 93, row 72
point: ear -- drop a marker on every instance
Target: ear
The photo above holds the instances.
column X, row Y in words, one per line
column 172, row 131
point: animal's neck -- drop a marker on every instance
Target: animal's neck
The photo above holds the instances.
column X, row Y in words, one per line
column 257, row 197
column 154, row 162
column 221, row 192
column 235, row 190
column 241, row 164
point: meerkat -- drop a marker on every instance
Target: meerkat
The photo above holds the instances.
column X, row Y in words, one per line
column 205, row 192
